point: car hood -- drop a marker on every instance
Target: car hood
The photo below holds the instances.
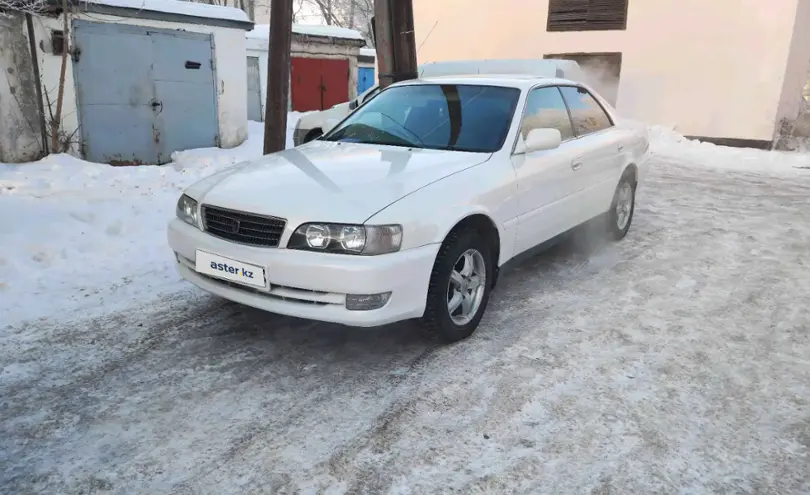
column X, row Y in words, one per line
column 330, row 182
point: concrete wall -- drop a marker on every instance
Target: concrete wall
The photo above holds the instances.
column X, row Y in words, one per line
column 713, row 68
column 20, row 130
column 229, row 60
column 798, row 66
column 300, row 47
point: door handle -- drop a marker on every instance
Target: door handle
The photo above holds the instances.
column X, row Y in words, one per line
column 621, row 148
column 576, row 166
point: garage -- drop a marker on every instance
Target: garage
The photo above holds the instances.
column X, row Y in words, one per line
column 318, row 83
column 141, row 80
column 366, row 73
column 323, row 67
column 158, row 99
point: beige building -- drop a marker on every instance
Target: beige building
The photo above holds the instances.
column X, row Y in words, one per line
column 731, row 70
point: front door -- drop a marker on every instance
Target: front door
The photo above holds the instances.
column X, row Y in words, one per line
column 547, row 180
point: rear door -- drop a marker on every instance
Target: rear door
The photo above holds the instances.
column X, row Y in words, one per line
column 599, row 152
column 546, row 180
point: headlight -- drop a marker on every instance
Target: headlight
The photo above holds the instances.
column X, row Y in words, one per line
column 347, row 239
column 187, row 211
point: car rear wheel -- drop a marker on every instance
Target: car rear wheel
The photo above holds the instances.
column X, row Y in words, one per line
column 459, row 287
column 622, row 208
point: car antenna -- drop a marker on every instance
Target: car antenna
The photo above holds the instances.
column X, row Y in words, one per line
column 426, row 37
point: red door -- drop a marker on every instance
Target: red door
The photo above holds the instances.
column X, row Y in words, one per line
column 335, row 77
column 318, row 84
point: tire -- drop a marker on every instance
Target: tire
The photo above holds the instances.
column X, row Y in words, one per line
column 459, row 250
column 312, row 135
column 619, row 219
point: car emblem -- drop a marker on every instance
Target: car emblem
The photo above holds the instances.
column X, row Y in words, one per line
column 235, row 227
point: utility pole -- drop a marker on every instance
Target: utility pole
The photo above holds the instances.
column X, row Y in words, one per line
column 381, row 25
column 395, row 41
column 403, row 39
column 278, row 76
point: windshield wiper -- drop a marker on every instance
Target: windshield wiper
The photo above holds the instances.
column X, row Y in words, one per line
column 402, row 126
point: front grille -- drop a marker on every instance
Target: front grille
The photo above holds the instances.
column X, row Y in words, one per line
column 241, row 227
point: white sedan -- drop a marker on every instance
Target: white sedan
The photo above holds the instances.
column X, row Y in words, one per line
column 408, row 207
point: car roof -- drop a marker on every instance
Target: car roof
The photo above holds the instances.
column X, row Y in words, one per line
column 520, row 81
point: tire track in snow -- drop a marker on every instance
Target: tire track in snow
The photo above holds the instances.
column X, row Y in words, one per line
column 593, row 369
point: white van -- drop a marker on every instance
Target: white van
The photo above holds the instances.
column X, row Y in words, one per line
column 310, row 126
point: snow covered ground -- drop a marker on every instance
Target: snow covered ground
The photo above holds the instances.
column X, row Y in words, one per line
column 82, row 239
column 673, row 361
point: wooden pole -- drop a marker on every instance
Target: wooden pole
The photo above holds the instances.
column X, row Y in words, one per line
column 403, row 40
column 382, row 42
column 278, row 76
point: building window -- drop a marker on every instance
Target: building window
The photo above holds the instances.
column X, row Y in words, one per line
column 587, row 15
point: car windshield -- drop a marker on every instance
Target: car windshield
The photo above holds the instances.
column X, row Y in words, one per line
column 436, row 116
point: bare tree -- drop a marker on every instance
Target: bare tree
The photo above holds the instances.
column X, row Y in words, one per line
column 23, row 6
column 352, row 14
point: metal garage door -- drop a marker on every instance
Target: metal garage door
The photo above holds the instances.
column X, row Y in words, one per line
column 254, row 90
column 143, row 93
column 318, row 84
column 365, row 79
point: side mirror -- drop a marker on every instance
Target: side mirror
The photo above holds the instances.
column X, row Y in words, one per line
column 540, row 140
column 329, row 124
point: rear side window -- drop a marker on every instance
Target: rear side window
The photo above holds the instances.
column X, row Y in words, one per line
column 587, row 114
column 545, row 109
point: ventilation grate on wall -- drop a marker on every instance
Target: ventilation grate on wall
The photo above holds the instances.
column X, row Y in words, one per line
column 587, row 15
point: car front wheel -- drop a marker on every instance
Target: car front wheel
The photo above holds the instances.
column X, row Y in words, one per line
column 459, row 287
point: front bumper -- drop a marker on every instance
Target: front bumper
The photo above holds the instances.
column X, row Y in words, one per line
column 313, row 285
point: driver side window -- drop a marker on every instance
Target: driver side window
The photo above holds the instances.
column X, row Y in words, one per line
column 546, row 109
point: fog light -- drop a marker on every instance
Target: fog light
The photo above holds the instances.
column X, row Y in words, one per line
column 366, row 302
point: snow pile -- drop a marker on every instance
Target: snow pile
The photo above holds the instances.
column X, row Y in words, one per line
column 85, row 237
column 262, row 31
column 368, row 52
column 179, row 7
column 668, row 144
